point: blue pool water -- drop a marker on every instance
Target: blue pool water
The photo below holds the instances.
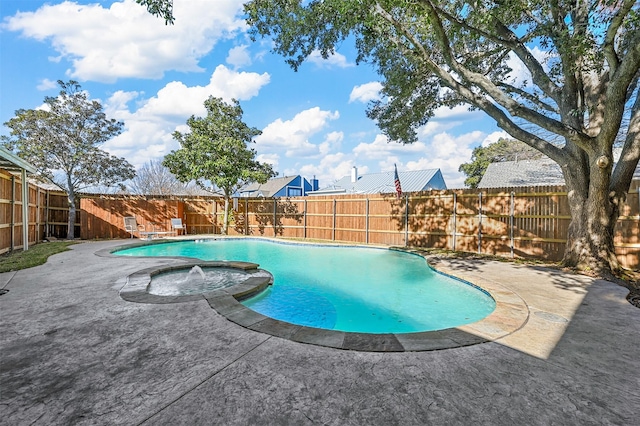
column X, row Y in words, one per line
column 343, row 288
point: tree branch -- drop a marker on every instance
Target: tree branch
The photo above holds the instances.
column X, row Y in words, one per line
column 465, row 25
column 618, row 88
column 528, row 96
column 623, row 173
column 570, row 100
column 539, row 76
column 608, row 46
column 472, row 98
column 513, row 107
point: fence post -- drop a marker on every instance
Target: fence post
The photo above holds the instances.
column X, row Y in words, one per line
column 47, row 231
column 406, row 220
column 25, row 210
column 366, row 220
column 13, row 212
column 275, row 218
column 304, row 228
column 333, row 232
column 215, row 215
column 455, row 224
column 480, row 222
column 246, row 216
column 38, row 239
column 511, row 214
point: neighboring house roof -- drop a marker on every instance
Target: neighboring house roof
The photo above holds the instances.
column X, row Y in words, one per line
column 379, row 183
column 522, row 173
column 529, row 173
column 49, row 186
column 267, row 189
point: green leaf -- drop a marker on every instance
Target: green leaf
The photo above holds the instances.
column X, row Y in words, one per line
column 63, row 142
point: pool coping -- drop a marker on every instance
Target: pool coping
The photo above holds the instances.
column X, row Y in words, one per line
column 511, row 312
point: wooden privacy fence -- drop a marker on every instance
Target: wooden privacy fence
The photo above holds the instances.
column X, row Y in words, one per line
column 102, row 216
column 527, row 222
column 515, row 222
column 48, row 213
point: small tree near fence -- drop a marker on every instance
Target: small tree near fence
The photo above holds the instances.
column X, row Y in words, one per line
column 216, row 150
column 63, row 142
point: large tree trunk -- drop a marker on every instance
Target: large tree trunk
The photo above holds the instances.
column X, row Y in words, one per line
column 590, row 237
column 593, row 215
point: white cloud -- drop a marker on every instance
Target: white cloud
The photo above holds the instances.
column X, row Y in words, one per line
column 149, row 128
column 447, row 146
column 457, row 112
column 381, row 148
column 124, row 40
column 330, row 168
column 335, row 60
column 331, row 142
column 46, row 84
column 366, row 92
column 447, row 152
column 520, row 75
column 445, row 119
column 293, row 135
column 494, row 137
column 272, row 159
column 434, row 127
column 118, row 101
column 177, row 99
column 239, row 56
column 441, row 151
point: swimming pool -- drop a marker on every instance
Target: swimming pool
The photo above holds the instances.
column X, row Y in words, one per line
column 352, row 289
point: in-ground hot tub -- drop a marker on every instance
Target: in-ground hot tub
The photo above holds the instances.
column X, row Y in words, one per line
column 193, row 281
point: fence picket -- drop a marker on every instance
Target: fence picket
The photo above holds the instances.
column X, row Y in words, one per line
column 534, row 220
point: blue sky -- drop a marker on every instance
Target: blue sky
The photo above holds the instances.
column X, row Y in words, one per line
column 153, row 77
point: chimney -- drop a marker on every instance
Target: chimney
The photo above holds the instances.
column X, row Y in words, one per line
column 354, row 174
column 314, row 184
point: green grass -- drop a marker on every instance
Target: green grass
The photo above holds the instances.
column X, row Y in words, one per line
column 36, row 255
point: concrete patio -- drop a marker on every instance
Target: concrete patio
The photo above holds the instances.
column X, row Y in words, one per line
column 74, row 352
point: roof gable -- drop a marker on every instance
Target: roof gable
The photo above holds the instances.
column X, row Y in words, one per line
column 269, row 188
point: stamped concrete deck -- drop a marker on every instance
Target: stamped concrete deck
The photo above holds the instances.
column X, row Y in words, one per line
column 74, row 352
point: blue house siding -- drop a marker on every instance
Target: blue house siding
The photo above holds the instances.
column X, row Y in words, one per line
column 436, row 182
column 294, row 186
column 293, row 189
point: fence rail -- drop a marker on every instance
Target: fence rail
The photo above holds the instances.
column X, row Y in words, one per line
column 47, row 213
column 529, row 222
